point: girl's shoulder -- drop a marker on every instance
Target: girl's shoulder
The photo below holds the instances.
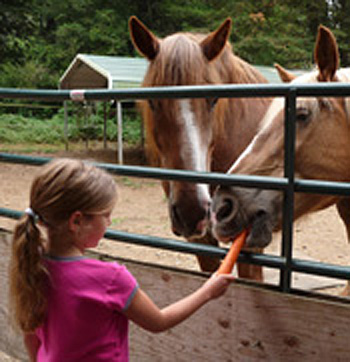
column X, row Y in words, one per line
column 83, row 263
column 84, row 269
column 102, row 264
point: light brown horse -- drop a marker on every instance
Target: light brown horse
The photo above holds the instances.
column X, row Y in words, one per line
column 322, row 151
column 196, row 134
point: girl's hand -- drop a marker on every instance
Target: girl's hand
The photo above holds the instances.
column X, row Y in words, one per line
column 217, row 285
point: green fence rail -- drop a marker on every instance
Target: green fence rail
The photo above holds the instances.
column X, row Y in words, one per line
column 288, row 184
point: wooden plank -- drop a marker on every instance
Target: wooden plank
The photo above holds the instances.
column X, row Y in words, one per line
column 249, row 323
column 10, row 342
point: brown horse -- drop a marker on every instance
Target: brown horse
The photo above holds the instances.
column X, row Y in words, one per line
column 196, row 134
column 322, row 151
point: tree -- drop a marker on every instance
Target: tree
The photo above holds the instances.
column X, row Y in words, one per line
column 16, row 26
column 339, row 14
column 269, row 31
column 46, row 35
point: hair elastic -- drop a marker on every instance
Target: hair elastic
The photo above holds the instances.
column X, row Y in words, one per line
column 30, row 212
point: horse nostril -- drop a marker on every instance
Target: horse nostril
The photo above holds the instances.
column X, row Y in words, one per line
column 226, row 209
column 176, row 220
column 175, row 213
column 260, row 213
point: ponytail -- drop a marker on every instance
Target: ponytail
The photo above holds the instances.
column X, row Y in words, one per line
column 27, row 275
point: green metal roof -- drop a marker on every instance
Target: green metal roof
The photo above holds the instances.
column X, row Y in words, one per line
column 97, row 71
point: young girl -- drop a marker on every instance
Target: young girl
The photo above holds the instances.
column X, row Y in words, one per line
column 71, row 308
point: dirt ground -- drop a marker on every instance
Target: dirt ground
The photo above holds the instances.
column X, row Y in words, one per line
column 142, row 208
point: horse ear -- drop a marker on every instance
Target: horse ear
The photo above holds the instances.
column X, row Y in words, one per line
column 326, row 54
column 285, row 76
column 143, row 39
column 213, row 44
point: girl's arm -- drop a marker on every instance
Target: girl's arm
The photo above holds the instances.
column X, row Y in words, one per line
column 147, row 315
column 32, row 343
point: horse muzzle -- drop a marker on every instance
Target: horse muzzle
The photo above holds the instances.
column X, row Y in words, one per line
column 229, row 216
column 189, row 222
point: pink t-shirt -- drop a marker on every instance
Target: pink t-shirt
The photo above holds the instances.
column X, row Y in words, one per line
column 85, row 320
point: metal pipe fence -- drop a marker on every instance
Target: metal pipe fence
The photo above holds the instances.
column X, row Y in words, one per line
column 288, row 184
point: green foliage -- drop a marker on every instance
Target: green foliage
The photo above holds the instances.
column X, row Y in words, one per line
column 39, row 39
column 19, row 129
column 16, row 128
column 29, row 75
column 17, row 24
column 341, row 26
column 132, row 130
column 86, row 121
column 267, row 32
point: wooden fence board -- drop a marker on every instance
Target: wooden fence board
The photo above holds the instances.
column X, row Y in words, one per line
column 10, row 342
column 249, row 323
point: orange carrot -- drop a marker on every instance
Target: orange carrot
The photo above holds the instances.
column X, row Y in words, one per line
column 232, row 255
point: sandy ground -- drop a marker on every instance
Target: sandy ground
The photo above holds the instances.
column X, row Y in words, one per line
column 142, row 208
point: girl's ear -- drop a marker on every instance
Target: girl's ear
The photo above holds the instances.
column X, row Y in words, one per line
column 75, row 221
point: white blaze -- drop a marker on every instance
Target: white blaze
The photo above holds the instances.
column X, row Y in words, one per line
column 193, row 151
column 275, row 107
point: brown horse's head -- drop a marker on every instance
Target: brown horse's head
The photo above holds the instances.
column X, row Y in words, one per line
column 321, row 152
column 190, row 134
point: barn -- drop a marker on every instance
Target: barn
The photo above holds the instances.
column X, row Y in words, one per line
column 88, row 71
column 104, row 72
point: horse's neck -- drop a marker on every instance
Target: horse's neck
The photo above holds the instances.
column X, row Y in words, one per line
column 241, row 117
column 241, row 122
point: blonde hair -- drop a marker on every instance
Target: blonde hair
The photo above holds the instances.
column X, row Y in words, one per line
column 62, row 187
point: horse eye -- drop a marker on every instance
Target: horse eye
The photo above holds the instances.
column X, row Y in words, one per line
column 212, row 102
column 303, row 114
column 151, row 104
column 154, row 104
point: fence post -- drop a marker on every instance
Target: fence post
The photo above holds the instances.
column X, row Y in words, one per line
column 65, row 124
column 120, row 132
column 288, row 199
column 104, row 124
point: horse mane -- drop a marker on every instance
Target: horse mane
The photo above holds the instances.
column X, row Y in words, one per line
column 182, row 51
column 177, row 53
column 181, row 61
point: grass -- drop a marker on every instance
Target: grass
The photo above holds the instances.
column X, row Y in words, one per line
column 31, row 134
column 129, row 182
column 116, row 221
column 16, row 129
